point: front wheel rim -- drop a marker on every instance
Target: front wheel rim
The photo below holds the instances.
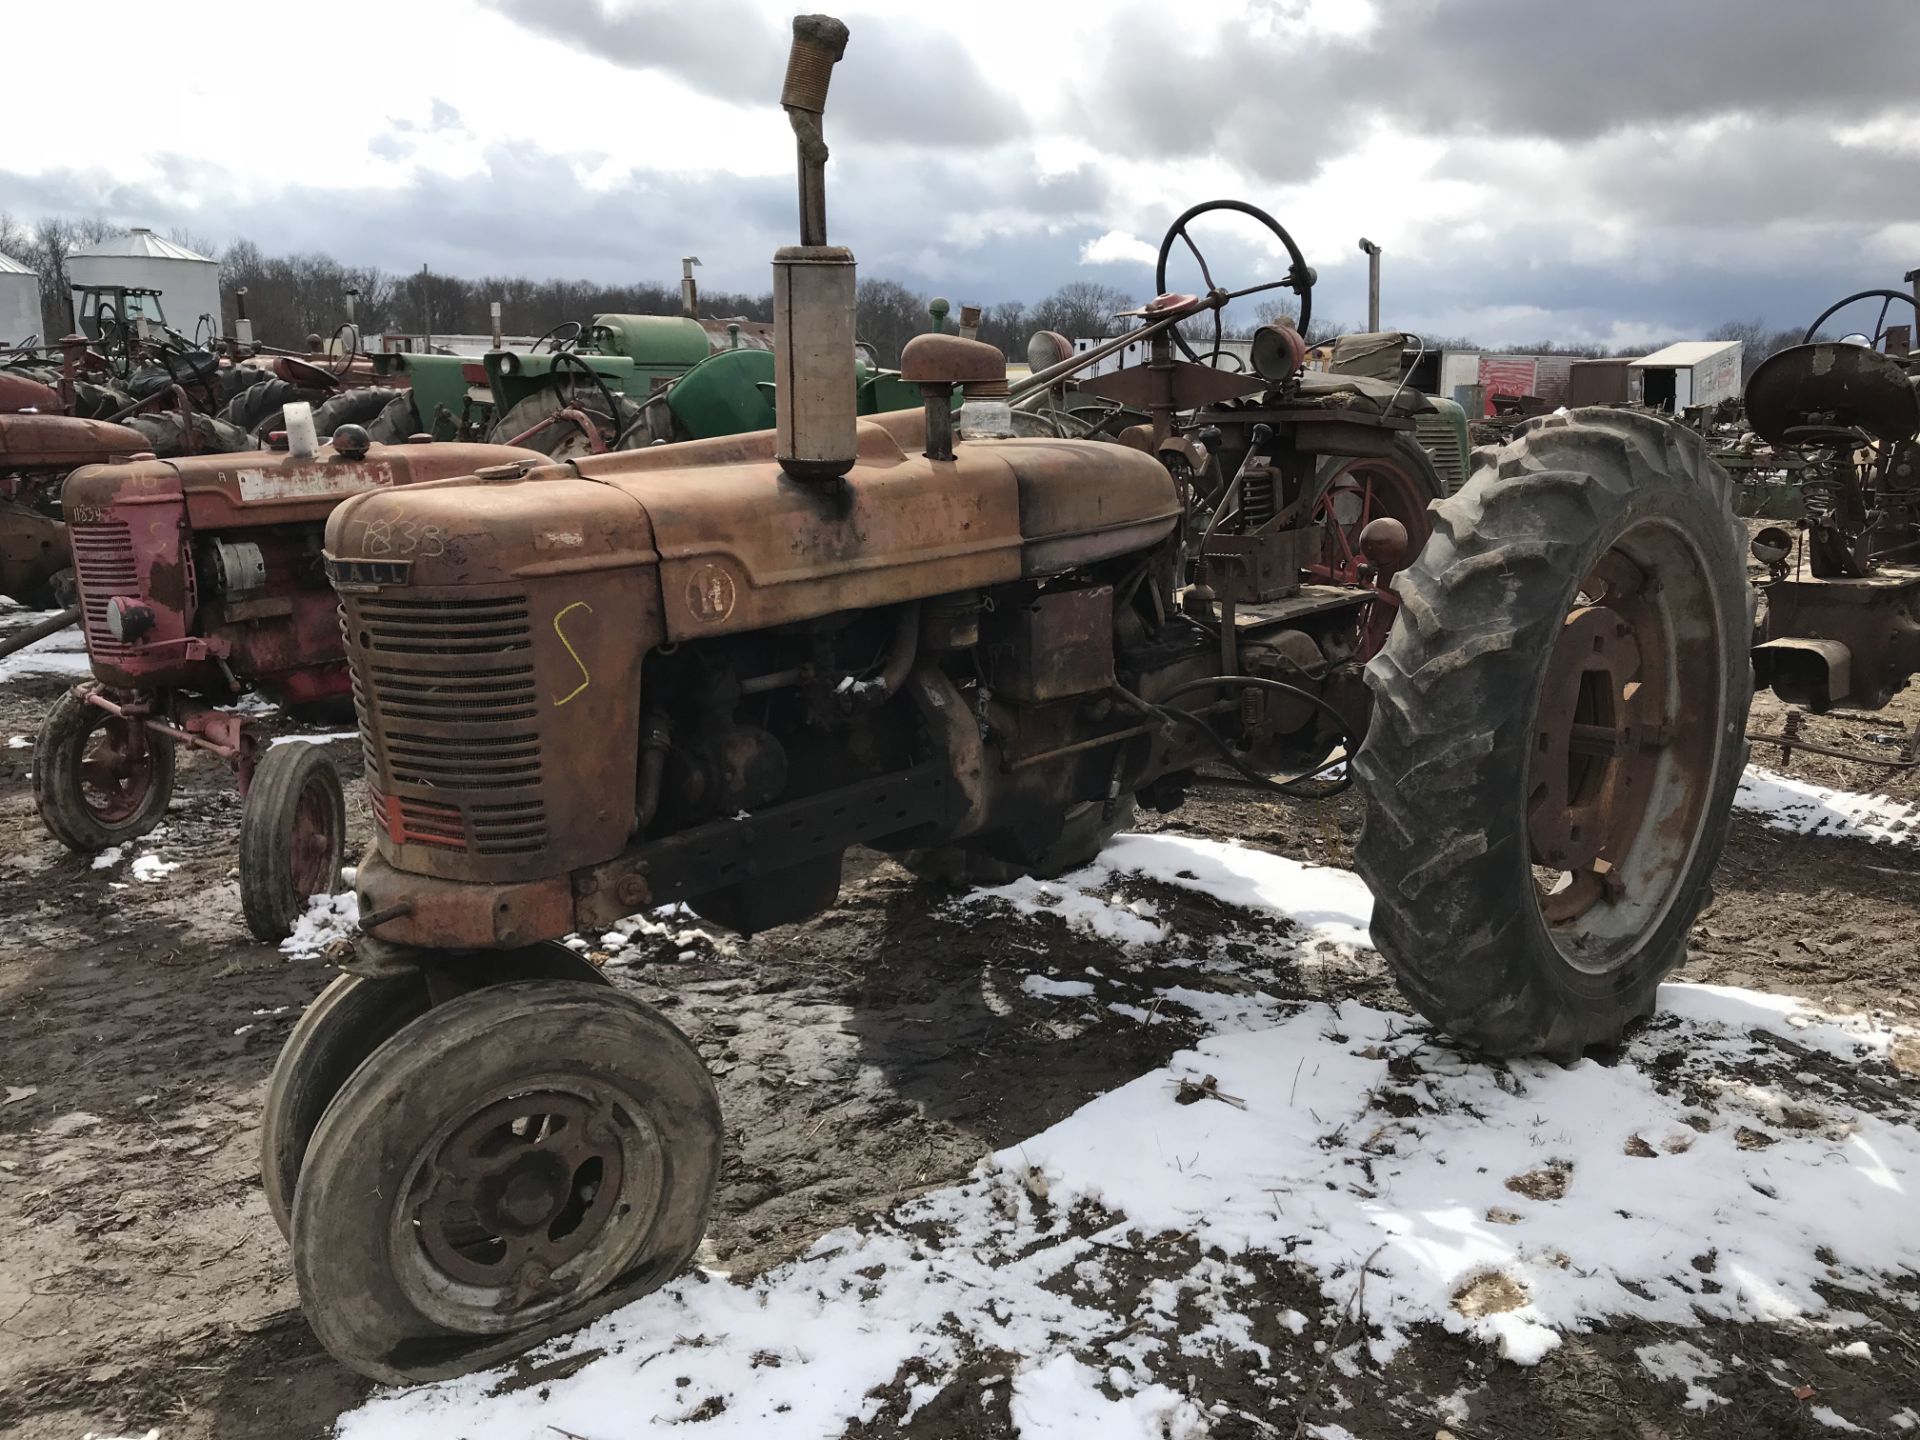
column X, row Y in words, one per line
column 1629, row 728
column 115, row 770
column 527, row 1203
column 313, row 842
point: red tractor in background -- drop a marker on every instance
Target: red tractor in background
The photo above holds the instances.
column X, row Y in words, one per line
column 200, row 579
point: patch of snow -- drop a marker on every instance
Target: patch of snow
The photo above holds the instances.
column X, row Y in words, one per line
column 1365, row 1145
column 1047, row 986
column 1689, row 1364
column 1104, row 916
column 315, row 739
column 62, row 653
column 1808, row 809
column 1327, row 904
column 328, row 918
column 70, row 1122
column 19, row 742
column 1061, row 1399
column 251, row 703
column 16, row 1093
column 1833, row 1419
column 657, row 926
column 109, row 857
column 1731, row 1009
column 151, row 867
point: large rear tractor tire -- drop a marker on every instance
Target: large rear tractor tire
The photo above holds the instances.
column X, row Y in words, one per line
column 1558, row 732
column 506, row 1167
column 99, row 780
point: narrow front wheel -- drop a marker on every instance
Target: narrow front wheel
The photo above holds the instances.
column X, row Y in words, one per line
column 293, row 837
column 506, row 1167
column 99, row 780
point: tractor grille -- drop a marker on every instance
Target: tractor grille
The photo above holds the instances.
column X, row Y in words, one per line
column 103, row 562
column 1441, row 441
column 451, row 683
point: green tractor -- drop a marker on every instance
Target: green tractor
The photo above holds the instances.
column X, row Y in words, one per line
column 621, row 383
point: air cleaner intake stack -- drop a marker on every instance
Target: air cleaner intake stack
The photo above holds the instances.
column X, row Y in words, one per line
column 813, row 281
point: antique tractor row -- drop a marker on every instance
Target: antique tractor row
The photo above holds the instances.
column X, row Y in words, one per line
column 700, row 673
column 199, row 579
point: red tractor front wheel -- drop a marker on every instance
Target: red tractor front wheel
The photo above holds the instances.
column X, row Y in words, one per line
column 293, row 836
column 99, row 780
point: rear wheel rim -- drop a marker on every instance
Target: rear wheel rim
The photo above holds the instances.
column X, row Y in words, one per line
column 526, row 1203
column 116, row 769
column 1628, row 730
column 1363, row 490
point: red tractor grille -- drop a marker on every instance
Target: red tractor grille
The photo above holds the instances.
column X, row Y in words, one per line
column 453, row 710
column 104, row 565
column 418, row 822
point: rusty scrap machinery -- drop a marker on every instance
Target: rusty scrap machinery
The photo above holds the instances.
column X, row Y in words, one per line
column 700, row 673
column 1842, row 621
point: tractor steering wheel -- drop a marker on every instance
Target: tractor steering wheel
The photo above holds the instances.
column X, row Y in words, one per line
column 1299, row 279
column 573, row 329
column 1879, row 325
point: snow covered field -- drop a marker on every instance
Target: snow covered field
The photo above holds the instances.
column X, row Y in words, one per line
column 1714, row 1172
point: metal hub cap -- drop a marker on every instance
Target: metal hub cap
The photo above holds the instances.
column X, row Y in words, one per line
column 520, row 1190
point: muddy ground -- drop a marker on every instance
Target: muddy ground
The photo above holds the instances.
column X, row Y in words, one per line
column 874, row 1052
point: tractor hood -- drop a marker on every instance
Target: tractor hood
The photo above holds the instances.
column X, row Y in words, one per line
column 741, row 545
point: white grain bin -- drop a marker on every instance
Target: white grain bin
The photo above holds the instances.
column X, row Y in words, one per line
column 189, row 284
column 19, row 302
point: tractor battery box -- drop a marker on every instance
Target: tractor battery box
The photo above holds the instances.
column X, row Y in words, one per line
column 1253, row 569
column 1058, row 646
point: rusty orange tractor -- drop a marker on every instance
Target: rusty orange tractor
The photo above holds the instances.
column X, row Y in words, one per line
column 702, row 673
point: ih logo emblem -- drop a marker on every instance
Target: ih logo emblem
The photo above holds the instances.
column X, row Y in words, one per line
column 710, row 593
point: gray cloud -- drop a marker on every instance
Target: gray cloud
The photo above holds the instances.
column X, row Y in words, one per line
column 1286, row 103
column 911, row 85
column 1764, row 215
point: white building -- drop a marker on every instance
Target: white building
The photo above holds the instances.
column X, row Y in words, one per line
column 19, row 302
column 1693, row 372
column 189, row 284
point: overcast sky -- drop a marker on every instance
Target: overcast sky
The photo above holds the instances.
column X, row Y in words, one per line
column 1610, row 170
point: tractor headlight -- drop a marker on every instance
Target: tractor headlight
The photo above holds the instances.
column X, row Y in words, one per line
column 128, row 619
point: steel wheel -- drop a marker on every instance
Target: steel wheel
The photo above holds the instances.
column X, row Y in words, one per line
column 99, row 779
column 507, row 1166
column 527, row 1203
column 1399, row 485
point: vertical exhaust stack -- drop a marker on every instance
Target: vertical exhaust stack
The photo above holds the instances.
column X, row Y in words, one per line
column 814, row 399
column 689, row 289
